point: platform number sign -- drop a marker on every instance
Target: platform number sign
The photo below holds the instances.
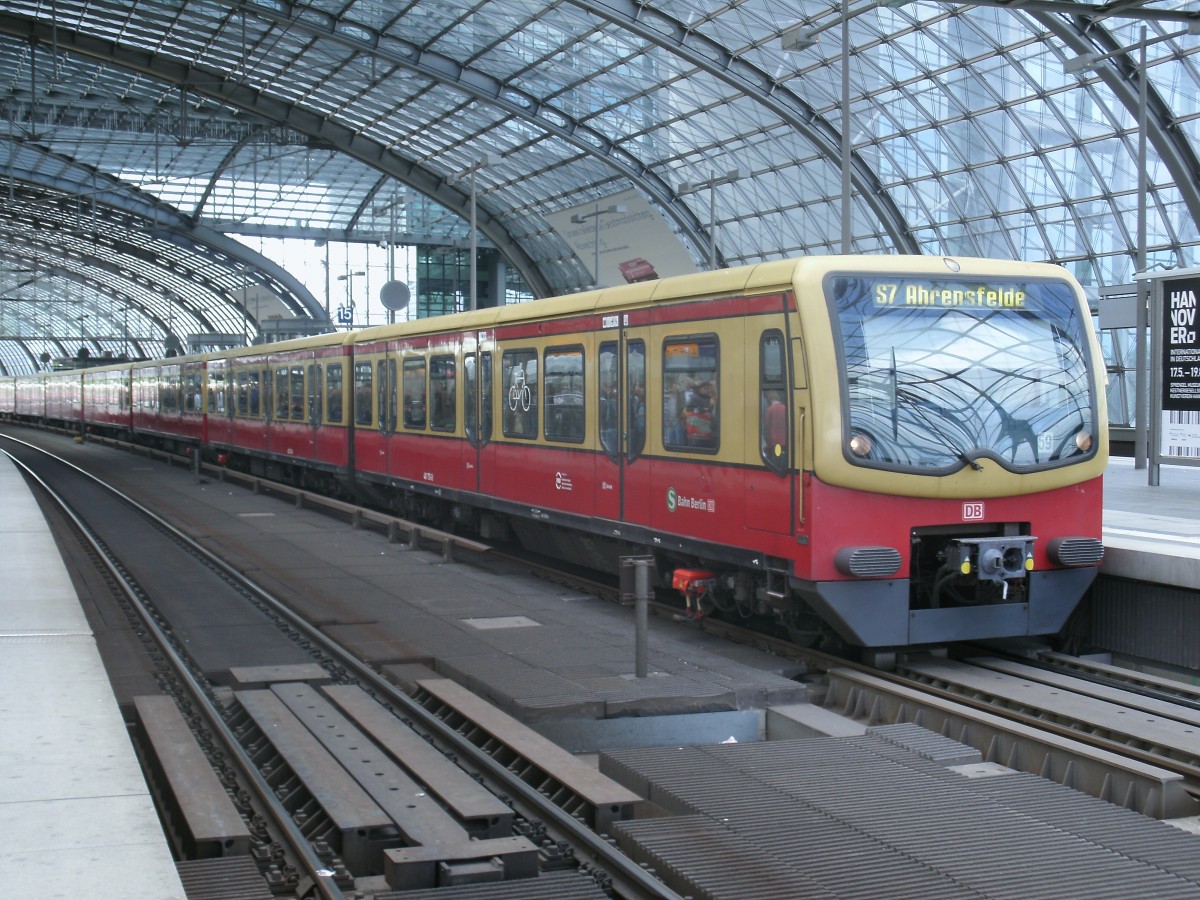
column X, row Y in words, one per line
column 345, row 315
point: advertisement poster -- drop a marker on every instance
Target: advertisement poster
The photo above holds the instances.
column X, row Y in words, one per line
column 633, row 243
column 1180, row 426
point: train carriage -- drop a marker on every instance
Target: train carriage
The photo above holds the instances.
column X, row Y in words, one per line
column 107, row 399
column 167, row 401
column 8, row 396
column 63, row 396
column 282, row 409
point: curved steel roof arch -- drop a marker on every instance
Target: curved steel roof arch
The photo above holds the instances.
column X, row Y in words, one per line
column 1086, row 35
column 217, row 86
column 709, row 56
column 103, row 192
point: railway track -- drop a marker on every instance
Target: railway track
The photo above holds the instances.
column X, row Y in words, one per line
column 1018, row 729
column 307, row 845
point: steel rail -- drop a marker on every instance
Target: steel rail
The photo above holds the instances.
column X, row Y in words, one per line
column 629, row 878
column 321, row 876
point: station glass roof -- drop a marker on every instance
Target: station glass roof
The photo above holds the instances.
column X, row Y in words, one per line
column 140, row 135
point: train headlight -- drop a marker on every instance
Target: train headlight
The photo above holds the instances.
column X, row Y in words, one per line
column 1083, row 441
column 860, row 445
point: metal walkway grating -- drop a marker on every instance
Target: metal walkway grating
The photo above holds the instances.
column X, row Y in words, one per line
column 866, row 818
column 567, row 885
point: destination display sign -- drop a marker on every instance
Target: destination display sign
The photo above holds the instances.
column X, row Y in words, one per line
column 948, row 296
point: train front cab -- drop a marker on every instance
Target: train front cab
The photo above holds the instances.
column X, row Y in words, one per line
column 956, row 494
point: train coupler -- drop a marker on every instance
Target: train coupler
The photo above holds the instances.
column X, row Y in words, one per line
column 695, row 585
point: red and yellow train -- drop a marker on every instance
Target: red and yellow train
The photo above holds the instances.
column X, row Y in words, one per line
column 902, row 450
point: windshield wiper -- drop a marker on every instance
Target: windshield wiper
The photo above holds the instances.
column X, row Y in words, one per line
column 915, row 405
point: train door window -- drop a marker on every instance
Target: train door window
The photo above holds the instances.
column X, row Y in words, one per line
column 385, row 375
column 243, row 393
column 392, row 392
column 296, row 397
column 520, row 413
column 485, row 400
column 443, row 393
column 691, row 382
column 363, row 394
column 193, row 400
column 563, row 370
column 333, row 393
column 216, row 391
column 470, row 398
column 314, row 395
column 773, row 412
column 414, row 391
column 260, row 404
column 635, row 380
column 609, row 407
column 281, row 393
column 169, row 396
column 479, row 431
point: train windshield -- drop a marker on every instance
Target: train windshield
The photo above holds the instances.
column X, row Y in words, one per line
column 942, row 372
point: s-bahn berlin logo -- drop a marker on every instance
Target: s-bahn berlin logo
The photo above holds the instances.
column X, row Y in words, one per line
column 674, row 502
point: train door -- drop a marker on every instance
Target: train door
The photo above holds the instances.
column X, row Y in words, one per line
column 478, row 364
column 313, row 384
column 622, row 484
column 771, row 491
column 370, row 449
column 386, row 387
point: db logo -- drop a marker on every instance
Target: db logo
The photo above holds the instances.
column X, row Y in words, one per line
column 973, row 511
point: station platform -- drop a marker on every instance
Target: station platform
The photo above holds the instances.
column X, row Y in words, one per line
column 76, row 816
column 1152, row 534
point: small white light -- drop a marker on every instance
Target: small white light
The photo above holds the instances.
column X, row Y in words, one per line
column 951, row 264
column 1083, row 441
column 860, row 445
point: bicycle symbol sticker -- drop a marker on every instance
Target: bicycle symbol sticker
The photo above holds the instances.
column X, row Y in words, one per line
column 519, row 393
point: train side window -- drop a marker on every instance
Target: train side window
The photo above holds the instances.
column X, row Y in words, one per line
column 296, row 401
column 333, row 394
column 519, row 418
column 281, row 393
column 443, row 393
column 691, row 388
column 363, row 394
column 414, row 392
column 609, row 407
column 563, row 370
column 773, row 412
